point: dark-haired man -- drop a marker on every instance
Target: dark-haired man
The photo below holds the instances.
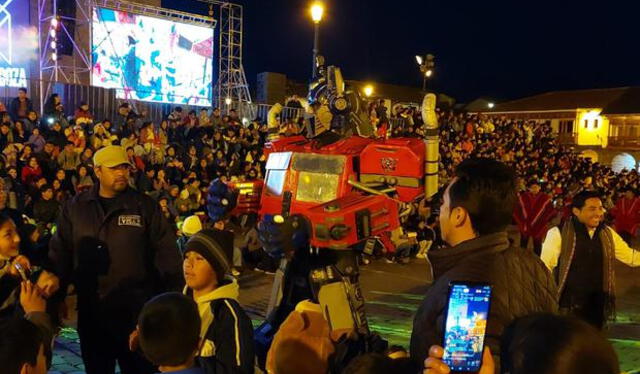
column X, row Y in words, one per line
column 476, row 210
column 581, row 255
column 20, row 106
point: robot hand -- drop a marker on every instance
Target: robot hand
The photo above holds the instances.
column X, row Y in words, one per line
column 220, row 200
column 281, row 236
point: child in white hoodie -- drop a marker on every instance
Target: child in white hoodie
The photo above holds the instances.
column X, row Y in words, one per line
column 226, row 330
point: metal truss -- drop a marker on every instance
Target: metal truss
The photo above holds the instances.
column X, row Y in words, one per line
column 231, row 88
column 53, row 67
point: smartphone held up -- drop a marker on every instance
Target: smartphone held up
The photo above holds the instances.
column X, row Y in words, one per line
column 466, row 325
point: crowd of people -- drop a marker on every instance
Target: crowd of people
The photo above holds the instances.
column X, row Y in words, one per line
column 132, row 183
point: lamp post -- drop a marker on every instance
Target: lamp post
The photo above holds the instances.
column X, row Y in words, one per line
column 426, row 68
column 317, row 10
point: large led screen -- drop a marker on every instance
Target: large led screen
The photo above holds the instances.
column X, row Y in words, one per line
column 18, row 43
column 151, row 59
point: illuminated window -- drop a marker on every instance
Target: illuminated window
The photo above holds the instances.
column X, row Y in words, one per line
column 317, row 187
column 275, row 182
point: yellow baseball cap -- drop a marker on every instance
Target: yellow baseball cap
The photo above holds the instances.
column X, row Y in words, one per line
column 110, row 156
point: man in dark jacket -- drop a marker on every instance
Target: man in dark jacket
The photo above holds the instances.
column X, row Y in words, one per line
column 474, row 215
column 20, row 106
column 115, row 246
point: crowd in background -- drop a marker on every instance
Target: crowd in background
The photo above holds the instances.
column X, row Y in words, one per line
column 47, row 158
column 530, row 147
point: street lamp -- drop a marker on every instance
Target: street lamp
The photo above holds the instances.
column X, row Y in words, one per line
column 368, row 90
column 317, row 10
column 426, row 68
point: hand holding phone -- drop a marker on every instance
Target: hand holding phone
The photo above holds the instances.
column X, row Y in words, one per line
column 466, row 325
column 20, row 266
column 434, row 364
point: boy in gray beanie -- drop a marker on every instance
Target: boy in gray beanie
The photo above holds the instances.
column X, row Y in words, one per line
column 226, row 330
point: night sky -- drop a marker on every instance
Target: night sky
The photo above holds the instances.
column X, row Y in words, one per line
column 497, row 49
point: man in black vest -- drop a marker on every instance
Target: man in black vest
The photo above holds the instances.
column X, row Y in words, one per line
column 580, row 254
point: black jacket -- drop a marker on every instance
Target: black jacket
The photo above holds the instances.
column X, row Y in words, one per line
column 521, row 285
column 128, row 252
column 15, row 107
column 228, row 340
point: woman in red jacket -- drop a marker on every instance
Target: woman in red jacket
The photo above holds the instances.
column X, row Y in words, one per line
column 31, row 172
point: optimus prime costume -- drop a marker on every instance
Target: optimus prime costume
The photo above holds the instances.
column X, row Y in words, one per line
column 326, row 198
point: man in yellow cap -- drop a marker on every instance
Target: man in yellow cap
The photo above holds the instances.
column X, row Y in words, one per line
column 116, row 247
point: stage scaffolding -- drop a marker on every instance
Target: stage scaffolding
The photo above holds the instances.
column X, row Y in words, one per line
column 230, row 90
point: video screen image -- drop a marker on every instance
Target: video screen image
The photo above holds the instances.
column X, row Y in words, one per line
column 18, row 44
column 151, row 59
column 465, row 326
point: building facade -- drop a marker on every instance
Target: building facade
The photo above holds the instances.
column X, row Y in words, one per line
column 603, row 124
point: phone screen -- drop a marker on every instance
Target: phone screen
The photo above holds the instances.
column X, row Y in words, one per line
column 465, row 325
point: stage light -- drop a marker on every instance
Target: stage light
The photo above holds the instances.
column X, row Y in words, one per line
column 419, row 59
column 50, row 121
column 54, row 56
column 428, row 73
column 368, row 90
column 53, row 44
column 491, row 105
column 54, row 22
column 52, row 33
column 317, row 9
column 227, row 101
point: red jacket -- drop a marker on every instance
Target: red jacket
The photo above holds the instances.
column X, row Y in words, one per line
column 30, row 175
column 533, row 213
column 627, row 215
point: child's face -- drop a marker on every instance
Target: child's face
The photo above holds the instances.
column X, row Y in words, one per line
column 9, row 239
column 198, row 273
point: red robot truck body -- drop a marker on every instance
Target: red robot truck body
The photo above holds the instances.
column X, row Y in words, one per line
column 349, row 190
